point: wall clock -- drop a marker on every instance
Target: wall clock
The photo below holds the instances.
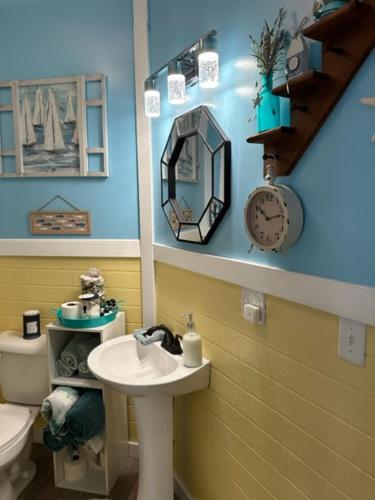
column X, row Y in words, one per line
column 273, row 216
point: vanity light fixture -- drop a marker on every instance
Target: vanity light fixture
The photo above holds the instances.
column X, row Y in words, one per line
column 176, row 83
column 200, row 62
column 152, row 99
column 208, row 61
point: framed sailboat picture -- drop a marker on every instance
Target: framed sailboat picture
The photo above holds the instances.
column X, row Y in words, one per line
column 51, row 120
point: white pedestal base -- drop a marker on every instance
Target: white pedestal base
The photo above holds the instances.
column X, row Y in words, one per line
column 154, row 416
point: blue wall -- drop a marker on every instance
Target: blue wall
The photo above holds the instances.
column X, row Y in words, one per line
column 51, row 38
column 336, row 177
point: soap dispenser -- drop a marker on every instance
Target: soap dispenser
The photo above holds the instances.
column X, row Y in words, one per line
column 192, row 345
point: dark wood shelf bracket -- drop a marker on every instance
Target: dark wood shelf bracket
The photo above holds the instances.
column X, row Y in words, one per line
column 347, row 37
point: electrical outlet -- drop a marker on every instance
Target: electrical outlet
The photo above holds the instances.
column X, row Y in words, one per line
column 257, row 299
column 352, row 341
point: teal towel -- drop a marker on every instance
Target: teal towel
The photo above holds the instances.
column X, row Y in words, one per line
column 64, row 370
column 85, row 347
column 70, row 354
column 84, row 370
column 56, row 442
column 86, row 418
column 154, row 337
column 56, row 406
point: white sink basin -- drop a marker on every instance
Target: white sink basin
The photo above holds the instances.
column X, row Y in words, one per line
column 152, row 376
column 127, row 366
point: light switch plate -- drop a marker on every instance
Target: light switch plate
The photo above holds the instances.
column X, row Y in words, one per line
column 257, row 299
column 352, row 341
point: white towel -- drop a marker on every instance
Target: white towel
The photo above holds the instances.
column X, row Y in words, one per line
column 56, row 406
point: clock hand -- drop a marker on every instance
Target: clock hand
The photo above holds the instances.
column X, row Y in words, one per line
column 263, row 213
column 275, row 216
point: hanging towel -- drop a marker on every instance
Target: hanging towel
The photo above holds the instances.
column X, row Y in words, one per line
column 64, row 370
column 86, row 418
column 84, row 348
column 84, row 370
column 149, row 339
column 56, row 406
column 69, row 354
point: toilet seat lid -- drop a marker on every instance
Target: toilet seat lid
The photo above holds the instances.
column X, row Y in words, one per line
column 14, row 420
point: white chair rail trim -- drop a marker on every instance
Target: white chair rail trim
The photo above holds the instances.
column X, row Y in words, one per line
column 48, row 247
column 336, row 297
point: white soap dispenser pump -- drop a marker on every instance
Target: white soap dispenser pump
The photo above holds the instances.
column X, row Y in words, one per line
column 191, row 345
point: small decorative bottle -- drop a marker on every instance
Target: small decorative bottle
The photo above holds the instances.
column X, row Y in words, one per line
column 192, row 345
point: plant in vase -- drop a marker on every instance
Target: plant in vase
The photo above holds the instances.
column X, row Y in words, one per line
column 268, row 53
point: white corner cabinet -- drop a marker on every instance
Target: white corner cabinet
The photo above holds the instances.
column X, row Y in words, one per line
column 101, row 476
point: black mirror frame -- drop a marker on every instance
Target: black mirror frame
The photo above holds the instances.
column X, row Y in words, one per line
column 171, row 173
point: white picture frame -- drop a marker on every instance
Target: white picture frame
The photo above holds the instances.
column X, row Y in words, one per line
column 50, row 128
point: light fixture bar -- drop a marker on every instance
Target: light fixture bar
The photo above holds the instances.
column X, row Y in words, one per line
column 188, row 58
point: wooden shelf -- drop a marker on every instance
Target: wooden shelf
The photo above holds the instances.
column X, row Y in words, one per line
column 348, row 38
column 300, row 84
column 330, row 26
column 270, row 136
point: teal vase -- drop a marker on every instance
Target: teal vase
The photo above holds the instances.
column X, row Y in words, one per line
column 268, row 115
column 328, row 8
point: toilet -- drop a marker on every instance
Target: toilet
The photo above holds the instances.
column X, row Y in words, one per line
column 24, row 385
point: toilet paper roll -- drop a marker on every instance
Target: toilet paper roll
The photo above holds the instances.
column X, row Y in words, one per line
column 75, row 469
column 71, row 310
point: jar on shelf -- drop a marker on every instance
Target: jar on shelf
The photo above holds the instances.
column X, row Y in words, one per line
column 90, row 305
column 93, row 282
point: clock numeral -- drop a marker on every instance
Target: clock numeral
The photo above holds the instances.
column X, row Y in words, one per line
column 269, row 197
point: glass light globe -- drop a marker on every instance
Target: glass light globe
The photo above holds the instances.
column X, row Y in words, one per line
column 176, row 89
column 152, row 103
column 208, row 69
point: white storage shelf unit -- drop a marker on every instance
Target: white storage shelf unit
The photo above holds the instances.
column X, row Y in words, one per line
column 101, row 477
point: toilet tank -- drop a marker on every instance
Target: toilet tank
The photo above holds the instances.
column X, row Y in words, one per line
column 23, row 368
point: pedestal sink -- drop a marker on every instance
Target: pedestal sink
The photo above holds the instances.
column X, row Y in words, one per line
column 152, row 377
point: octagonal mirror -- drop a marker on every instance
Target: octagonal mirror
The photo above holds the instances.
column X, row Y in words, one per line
column 195, row 176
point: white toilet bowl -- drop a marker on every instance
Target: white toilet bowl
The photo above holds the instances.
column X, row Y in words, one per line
column 16, row 468
column 24, row 384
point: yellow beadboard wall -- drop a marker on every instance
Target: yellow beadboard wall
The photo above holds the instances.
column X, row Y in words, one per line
column 283, row 418
column 45, row 282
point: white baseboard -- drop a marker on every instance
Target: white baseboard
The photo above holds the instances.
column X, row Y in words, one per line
column 179, row 487
column 336, row 297
column 48, row 247
column 133, row 449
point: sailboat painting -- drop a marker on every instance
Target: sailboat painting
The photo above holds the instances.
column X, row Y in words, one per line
column 49, row 131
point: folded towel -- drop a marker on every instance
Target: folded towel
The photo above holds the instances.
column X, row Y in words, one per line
column 64, row 370
column 56, row 442
column 96, row 443
column 149, row 339
column 86, row 418
column 84, row 348
column 69, row 354
column 56, row 406
column 84, row 370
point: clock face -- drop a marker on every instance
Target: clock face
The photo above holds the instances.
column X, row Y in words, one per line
column 266, row 219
